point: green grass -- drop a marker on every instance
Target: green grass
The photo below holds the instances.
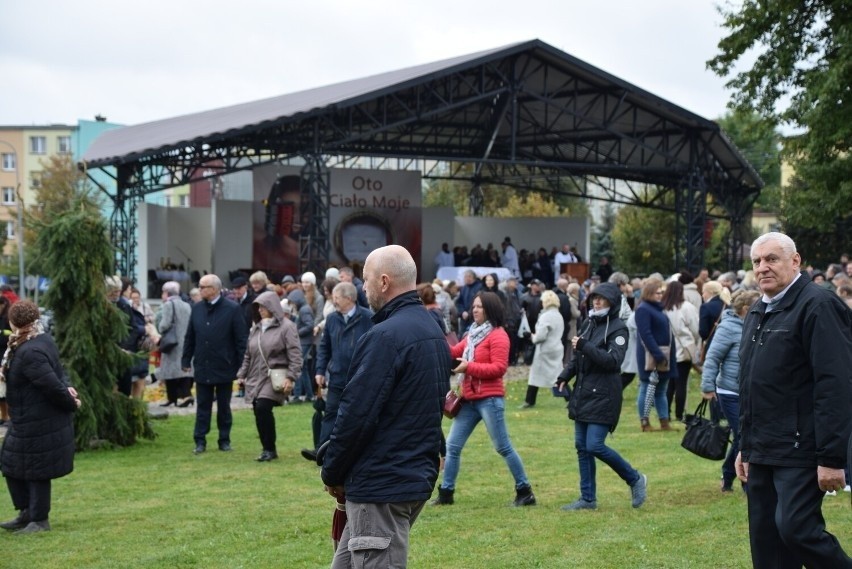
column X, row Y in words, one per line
column 158, row 506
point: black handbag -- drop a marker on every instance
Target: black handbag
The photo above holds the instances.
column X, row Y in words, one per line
column 169, row 340
column 704, row 437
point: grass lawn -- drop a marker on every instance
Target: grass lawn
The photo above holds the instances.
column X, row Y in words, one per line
column 156, row 505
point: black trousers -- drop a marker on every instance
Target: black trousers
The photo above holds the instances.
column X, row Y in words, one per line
column 178, row 388
column 264, row 419
column 786, row 526
column 30, row 495
column 205, row 394
column 676, row 390
column 532, row 394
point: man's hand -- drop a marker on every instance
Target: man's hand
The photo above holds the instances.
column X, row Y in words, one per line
column 336, row 491
column 320, row 380
column 709, row 395
column 830, row 479
column 741, row 468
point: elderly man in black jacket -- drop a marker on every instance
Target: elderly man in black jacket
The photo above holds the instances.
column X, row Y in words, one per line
column 795, row 397
column 383, row 450
column 215, row 345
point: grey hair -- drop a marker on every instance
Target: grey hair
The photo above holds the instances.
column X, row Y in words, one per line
column 171, row 288
column 787, row 244
column 730, row 276
column 619, row 278
column 214, row 281
column 346, row 290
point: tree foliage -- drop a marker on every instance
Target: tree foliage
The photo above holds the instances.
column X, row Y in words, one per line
column 62, row 184
column 759, row 142
column 602, row 245
column 73, row 250
column 801, row 77
column 643, row 241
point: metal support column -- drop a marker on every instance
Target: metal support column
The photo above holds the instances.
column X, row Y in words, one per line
column 690, row 221
column 476, row 199
column 314, row 237
column 122, row 223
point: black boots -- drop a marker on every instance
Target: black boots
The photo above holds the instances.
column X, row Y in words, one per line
column 18, row 523
column 34, row 527
column 445, row 497
column 524, row 496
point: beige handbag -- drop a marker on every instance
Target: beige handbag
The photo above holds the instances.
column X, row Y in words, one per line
column 278, row 377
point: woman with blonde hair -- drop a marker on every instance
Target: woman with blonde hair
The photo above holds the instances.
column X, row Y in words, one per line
column 716, row 299
column 655, row 335
column 547, row 338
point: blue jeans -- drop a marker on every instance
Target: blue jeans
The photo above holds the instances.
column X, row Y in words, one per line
column 661, row 403
column 490, row 410
column 730, row 405
column 590, row 441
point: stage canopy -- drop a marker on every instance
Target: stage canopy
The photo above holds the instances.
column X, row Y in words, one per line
column 525, row 115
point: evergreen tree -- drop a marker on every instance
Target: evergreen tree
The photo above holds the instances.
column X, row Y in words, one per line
column 73, row 250
column 602, row 237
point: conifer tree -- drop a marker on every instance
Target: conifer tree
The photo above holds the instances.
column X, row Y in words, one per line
column 74, row 251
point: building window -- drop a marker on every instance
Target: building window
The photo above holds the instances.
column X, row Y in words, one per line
column 35, row 180
column 38, row 145
column 9, row 162
column 10, row 230
column 183, row 200
column 63, row 143
column 8, row 196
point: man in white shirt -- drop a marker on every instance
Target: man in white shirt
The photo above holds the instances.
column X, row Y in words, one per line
column 444, row 258
column 509, row 258
column 564, row 256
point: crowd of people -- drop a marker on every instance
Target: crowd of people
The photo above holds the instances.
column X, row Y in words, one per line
column 770, row 346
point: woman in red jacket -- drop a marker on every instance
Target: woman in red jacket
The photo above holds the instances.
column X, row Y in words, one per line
column 484, row 355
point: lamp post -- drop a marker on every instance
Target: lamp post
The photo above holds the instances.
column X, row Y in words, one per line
column 20, row 229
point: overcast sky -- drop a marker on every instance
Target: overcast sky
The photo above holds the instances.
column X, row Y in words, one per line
column 135, row 61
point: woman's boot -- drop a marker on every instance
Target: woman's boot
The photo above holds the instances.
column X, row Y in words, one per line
column 665, row 425
column 524, row 496
column 445, row 497
column 18, row 523
column 646, row 425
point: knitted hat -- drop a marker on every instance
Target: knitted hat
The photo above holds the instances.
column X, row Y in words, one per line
column 113, row 283
column 332, row 273
column 309, row 277
column 23, row 313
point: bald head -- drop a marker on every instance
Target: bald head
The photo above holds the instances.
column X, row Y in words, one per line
column 388, row 272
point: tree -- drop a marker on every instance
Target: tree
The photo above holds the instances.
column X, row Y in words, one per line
column 74, row 252
column 643, row 240
column 62, row 184
column 801, row 77
column 759, row 142
column 602, row 245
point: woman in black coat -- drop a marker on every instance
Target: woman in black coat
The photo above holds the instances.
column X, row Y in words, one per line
column 39, row 445
column 595, row 404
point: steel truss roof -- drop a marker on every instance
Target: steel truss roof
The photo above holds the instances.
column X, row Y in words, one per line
column 527, row 115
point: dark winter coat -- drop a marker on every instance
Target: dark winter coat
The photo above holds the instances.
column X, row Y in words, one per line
column 337, row 346
column 597, row 364
column 708, row 315
column 40, row 442
column 386, row 441
column 654, row 330
column 215, row 342
column 796, row 380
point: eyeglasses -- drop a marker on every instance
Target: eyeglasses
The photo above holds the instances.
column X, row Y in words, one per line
column 206, row 286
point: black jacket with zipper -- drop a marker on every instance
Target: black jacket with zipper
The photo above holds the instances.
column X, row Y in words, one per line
column 796, row 380
column 597, row 364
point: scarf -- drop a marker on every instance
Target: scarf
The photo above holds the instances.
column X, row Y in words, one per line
column 17, row 338
column 475, row 335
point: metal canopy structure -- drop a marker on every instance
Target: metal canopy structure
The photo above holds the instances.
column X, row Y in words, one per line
column 526, row 115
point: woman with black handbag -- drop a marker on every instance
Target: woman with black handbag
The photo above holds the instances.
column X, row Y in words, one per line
column 720, row 375
column 174, row 318
column 654, row 353
column 595, row 404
